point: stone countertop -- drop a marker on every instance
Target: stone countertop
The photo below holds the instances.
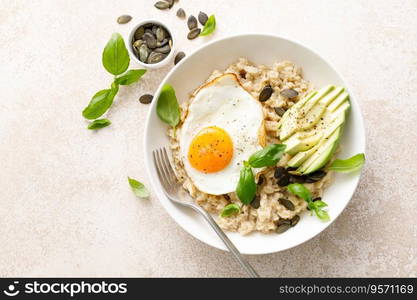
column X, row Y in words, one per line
column 66, row 208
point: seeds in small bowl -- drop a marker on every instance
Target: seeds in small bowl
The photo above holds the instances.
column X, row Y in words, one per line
column 151, row 43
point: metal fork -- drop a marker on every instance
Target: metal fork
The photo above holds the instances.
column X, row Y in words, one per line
column 173, row 190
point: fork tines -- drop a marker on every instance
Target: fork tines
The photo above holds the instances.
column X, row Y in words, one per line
column 163, row 167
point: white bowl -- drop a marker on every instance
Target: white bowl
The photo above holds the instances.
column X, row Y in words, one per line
column 192, row 71
column 163, row 62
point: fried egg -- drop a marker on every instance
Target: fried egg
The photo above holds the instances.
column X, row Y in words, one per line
column 223, row 127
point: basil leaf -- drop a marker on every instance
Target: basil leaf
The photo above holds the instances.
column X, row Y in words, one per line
column 115, row 57
column 322, row 215
column 100, row 103
column 98, row 124
column 300, row 190
column 268, row 156
column 138, row 188
column 246, row 187
column 209, row 27
column 351, row 164
column 167, row 107
column 130, row 77
column 319, row 204
column 229, row 210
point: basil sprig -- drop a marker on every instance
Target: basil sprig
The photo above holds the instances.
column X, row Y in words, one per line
column 317, row 206
column 229, row 210
column 138, row 188
column 246, row 187
column 267, row 157
column 209, row 27
column 115, row 60
column 351, row 164
column 167, row 107
column 98, row 124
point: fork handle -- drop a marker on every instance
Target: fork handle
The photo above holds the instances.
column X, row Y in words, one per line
column 248, row 268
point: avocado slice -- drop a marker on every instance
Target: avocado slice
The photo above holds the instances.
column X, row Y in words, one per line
column 322, row 155
column 303, row 114
column 312, row 129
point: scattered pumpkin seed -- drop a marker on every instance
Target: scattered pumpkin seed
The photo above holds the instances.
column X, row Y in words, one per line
column 286, row 203
column 181, row 13
column 170, row 2
column 284, row 180
column 279, row 111
column 202, row 18
column 279, row 171
column 192, row 22
column 282, row 228
column 256, row 202
column 295, row 220
column 178, row 57
column 289, row 93
column 146, row 99
column 193, row 33
column 123, row 19
column 265, row 93
column 162, row 5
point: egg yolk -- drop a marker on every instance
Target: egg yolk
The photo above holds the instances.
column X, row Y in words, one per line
column 211, row 150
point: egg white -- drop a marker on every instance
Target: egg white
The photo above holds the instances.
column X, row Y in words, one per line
column 224, row 103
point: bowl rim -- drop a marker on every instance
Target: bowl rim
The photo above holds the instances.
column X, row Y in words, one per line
column 163, row 62
column 153, row 107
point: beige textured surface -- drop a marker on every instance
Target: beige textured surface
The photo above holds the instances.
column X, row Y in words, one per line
column 66, row 208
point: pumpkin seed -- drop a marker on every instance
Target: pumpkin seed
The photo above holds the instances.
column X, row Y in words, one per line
column 146, row 99
column 282, row 228
column 123, row 19
column 143, row 53
column 286, row 203
column 178, row 57
column 170, row 2
column 202, row 18
column 154, row 29
column 265, row 93
column 164, row 49
column 150, row 40
column 242, row 73
column 194, row 33
column 170, row 42
column 138, row 43
column 155, row 57
column 181, row 13
column 294, row 220
column 283, row 221
column 256, row 202
column 279, row 111
column 317, row 199
column 192, row 22
column 227, row 197
column 289, row 93
column 160, row 34
column 279, row 171
column 162, row 5
column 317, row 175
column 261, row 179
column 139, row 33
column 297, row 179
column 162, row 43
column 284, row 180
